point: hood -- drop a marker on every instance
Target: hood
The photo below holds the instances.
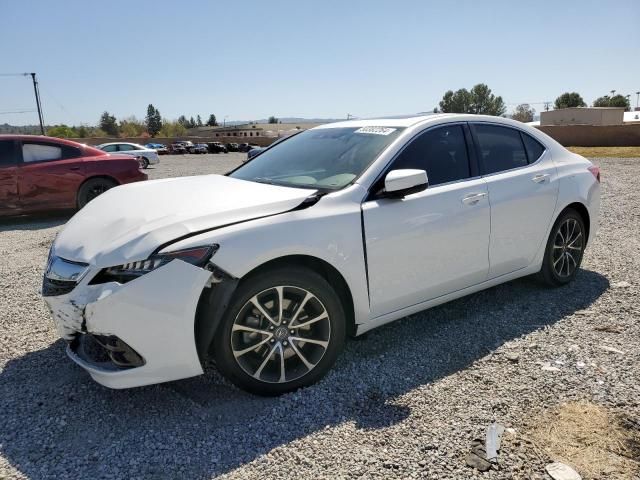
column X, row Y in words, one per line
column 131, row 221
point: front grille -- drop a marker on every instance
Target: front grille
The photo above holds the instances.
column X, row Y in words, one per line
column 53, row 288
column 106, row 351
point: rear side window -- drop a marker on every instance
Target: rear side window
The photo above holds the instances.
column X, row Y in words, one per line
column 501, row 148
column 441, row 152
column 7, row 153
column 534, row 148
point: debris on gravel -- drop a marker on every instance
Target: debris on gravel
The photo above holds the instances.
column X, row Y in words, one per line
column 404, row 401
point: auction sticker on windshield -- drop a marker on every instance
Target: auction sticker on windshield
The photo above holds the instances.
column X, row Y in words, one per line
column 376, row 130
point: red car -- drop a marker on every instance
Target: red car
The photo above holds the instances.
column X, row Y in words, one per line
column 43, row 173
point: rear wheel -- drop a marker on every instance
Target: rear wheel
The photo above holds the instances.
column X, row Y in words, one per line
column 283, row 330
column 144, row 161
column 93, row 188
column 565, row 249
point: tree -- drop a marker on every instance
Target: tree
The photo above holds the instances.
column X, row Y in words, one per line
column 198, row 121
column 153, row 120
column 108, row 124
column 212, row 121
column 61, row 131
column 523, row 113
column 615, row 101
column 569, row 100
column 132, row 127
column 272, row 119
column 182, row 120
column 172, row 128
column 480, row 100
column 192, row 123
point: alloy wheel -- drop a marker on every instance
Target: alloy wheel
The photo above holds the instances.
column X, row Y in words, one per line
column 567, row 248
column 280, row 334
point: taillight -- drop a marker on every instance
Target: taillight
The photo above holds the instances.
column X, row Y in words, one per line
column 595, row 171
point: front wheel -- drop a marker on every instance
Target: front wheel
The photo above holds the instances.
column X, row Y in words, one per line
column 564, row 251
column 283, row 330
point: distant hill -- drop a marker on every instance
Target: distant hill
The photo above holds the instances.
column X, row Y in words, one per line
column 287, row 120
column 20, row 129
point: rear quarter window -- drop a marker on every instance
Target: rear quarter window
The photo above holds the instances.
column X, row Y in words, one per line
column 533, row 147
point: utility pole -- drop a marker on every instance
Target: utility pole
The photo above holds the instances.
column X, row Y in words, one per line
column 637, row 98
column 546, row 106
column 35, row 89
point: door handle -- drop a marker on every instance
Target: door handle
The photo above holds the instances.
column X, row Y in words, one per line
column 74, row 168
column 540, row 178
column 473, row 198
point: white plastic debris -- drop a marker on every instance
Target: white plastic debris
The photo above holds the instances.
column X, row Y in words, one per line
column 492, row 442
column 560, row 471
column 611, row 349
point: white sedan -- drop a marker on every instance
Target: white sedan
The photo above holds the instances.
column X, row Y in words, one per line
column 147, row 156
column 331, row 232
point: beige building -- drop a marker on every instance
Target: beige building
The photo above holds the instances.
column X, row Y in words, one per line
column 583, row 116
column 252, row 130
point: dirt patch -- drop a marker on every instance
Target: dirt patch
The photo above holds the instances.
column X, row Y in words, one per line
column 598, row 442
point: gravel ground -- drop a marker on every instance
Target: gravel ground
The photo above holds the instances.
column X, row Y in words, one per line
column 404, row 401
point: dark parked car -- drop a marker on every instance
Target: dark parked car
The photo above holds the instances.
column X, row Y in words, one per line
column 216, row 147
column 245, row 147
column 158, row 147
column 232, row 147
column 40, row 173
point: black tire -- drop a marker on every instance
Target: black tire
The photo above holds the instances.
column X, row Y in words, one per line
column 93, row 188
column 567, row 238
column 289, row 350
column 144, row 161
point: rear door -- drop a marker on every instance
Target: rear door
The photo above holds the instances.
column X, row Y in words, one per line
column 49, row 175
column 523, row 189
column 9, row 199
column 433, row 242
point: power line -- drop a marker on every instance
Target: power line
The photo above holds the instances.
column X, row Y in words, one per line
column 7, row 112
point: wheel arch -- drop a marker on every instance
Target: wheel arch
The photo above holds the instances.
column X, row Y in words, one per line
column 220, row 295
column 331, row 274
column 583, row 212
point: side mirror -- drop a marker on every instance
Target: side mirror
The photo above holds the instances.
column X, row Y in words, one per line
column 400, row 183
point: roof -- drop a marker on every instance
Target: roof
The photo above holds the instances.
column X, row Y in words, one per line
column 394, row 121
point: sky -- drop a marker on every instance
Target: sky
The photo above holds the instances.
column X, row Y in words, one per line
column 315, row 59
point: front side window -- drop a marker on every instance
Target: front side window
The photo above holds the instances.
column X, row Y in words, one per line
column 40, row 152
column 7, row 153
column 110, row 148
column 501, row 148
column 441, row 152
column 326, row 158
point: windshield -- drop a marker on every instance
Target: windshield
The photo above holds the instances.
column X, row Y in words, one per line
column 326, row 158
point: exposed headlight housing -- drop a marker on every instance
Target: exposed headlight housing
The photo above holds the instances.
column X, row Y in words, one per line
column 197, row 256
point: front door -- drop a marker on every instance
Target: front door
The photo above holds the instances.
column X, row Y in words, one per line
column 9, row 200
column 432, row 242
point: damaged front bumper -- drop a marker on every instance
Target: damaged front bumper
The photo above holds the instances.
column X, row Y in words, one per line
column 144, row 328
